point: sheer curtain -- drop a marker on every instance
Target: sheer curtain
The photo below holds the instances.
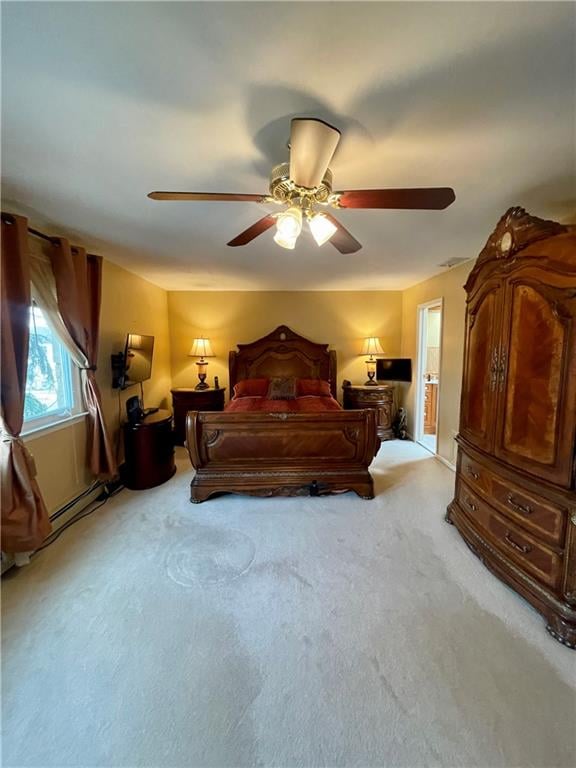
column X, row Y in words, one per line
column 25, row 521
column 44, row 294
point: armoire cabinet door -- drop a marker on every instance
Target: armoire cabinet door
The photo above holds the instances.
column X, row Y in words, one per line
column 537, row 384
column 480, row 366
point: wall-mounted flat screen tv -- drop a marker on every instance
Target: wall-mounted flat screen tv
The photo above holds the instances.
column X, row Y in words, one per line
column 394, row 369
column 138, row 358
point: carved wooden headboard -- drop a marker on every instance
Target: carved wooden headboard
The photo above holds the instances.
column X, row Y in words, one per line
column 283, row 353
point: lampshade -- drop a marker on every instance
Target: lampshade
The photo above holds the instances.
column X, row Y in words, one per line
column 201, row 348
column 322, row 228
column 372, row 346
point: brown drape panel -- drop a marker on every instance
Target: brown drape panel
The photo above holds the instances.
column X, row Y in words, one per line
column 25, row 521
column 78, row 279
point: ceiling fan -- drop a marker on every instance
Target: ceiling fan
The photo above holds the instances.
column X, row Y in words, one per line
column 305, row 186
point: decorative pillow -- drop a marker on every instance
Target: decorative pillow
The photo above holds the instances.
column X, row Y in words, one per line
column 282, row 389
column 315, row 387
column 251, row 388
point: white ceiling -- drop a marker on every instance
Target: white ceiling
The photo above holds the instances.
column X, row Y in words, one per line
column 104, row 102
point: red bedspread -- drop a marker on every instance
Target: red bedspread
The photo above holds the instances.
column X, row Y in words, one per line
column 309, row 404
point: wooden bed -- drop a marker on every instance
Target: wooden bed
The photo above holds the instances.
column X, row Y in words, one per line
column 282, row 453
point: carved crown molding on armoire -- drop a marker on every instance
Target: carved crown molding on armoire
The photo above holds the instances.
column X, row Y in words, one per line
column 515, row 231
column 515, row 498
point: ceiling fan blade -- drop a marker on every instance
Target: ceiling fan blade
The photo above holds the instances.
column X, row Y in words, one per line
column 342, row 240
column 256, row 229
column 209, row 196
column 312, row 144
column 431, row 198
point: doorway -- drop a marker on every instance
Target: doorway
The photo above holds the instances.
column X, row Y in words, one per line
column 428, row 374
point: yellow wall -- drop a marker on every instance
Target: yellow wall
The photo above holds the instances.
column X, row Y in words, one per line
column 132, row 305
column 60, row 457
column 129, row 303
column 447, row 286
column 339, row 318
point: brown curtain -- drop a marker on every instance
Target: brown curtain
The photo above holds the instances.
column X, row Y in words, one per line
column 78, row 279
column 25, row 521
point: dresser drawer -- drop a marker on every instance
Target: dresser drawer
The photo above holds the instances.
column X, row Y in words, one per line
column 540, row 516
column 474, row 507
column 535, row 514
column 512, row 541
column 475, row 474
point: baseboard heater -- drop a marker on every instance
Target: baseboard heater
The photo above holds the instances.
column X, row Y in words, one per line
column 64, row 514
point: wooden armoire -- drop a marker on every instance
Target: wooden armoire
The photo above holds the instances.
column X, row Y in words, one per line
column 515, row 499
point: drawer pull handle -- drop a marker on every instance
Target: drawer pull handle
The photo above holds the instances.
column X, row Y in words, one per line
column 475, row 475
column 471, row 504
column 523, row 509
column 524, row 548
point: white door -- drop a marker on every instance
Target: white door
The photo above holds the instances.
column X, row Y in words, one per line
column 429, row 352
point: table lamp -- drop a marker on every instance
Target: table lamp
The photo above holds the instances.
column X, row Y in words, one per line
column 371, row 347
column 201, row 348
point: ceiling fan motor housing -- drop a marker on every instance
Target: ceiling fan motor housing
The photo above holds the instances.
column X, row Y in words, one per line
column 283, row 189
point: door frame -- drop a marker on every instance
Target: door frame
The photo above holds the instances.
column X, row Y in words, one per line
column 421, row 310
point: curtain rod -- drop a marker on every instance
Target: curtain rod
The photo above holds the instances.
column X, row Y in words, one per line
column 8, row 217
column 36, row 233
column 53, row 240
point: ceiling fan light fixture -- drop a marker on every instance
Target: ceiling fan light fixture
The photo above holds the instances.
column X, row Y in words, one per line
column 289, row 224
column 306, row 181
column 322, row 228
column 284, row 241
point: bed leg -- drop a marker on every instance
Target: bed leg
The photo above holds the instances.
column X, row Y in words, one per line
column 364, row 490
column 198, row 494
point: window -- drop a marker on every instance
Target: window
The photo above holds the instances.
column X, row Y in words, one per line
column 52, row 381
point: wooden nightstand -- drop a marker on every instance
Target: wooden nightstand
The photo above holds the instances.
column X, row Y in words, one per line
column 380, row 397
column 185, row 400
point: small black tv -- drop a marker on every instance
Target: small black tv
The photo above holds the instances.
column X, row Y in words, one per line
column 137, row 358
column 394, row 369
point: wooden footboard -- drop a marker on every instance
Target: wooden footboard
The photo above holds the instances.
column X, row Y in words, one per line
column 287, row 454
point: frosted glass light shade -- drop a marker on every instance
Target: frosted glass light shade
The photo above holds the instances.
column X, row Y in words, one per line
column 322, row 228
column 285, row 242
column 289, row 224
column 201, row 348
column 372, row 346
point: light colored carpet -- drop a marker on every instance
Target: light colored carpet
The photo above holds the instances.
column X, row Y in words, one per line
column 279, row 632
